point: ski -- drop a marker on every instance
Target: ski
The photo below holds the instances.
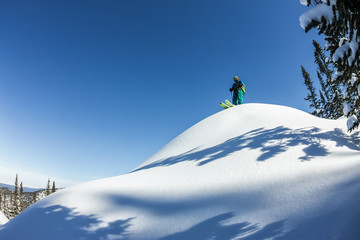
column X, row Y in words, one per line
column 228, row 103
column 224, row 105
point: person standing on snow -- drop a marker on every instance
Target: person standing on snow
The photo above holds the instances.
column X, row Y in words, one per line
column 238, row 89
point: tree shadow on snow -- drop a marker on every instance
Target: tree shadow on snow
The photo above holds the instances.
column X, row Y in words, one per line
column 59, row 223
column 216, row 228
column 271, row 142
column 219, row 227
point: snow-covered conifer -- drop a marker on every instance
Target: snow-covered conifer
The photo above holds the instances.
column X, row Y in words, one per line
column 48, row 187
column 34, row 197
column 5, row 209
column 22, row 205
column 338, row 21
column 53, row 189
column 1, row 200
column 331, row 100
column 311, row 97
column 15, row 200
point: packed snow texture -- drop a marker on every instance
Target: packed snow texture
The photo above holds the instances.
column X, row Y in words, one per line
column 251, row 172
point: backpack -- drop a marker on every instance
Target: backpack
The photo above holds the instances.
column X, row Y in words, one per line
column 242, row 87
column 238, row 86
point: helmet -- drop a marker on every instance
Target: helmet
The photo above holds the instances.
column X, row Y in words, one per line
column 236, row 78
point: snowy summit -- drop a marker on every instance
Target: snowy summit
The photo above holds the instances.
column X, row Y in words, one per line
column 252, row 172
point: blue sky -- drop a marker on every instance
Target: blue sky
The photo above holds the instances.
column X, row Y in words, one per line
column 91, row 89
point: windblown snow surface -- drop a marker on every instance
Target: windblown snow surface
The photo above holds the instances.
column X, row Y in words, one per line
column 254, row 172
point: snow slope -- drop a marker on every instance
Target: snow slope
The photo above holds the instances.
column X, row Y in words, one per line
column 253, row 172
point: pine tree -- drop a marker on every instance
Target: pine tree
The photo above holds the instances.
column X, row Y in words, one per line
column 53, row 189
column 10, row 208
column 311, row 97
column 5, row 204
column 1, row 200
column 331, row 95
column 48, row 188
column 22, row 206
column 15, row 203
column 339, row 22
column 34, row 197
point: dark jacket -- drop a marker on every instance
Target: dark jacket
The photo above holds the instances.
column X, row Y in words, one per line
column 236, row 88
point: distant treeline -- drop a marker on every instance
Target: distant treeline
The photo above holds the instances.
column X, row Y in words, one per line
column 13, row 202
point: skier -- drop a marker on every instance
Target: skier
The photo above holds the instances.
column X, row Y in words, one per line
column 238, row 89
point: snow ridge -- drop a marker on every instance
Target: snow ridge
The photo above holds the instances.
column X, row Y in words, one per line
column 254, row 171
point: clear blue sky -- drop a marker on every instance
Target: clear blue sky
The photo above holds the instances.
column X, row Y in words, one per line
column 90, row 89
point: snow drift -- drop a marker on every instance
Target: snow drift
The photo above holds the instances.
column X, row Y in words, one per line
column 251, row 172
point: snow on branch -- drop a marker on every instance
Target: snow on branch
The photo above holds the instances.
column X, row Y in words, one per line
column 316, row 13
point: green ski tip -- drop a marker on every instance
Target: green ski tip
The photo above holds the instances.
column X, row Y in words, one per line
column 229, row 103
column 224, row 105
